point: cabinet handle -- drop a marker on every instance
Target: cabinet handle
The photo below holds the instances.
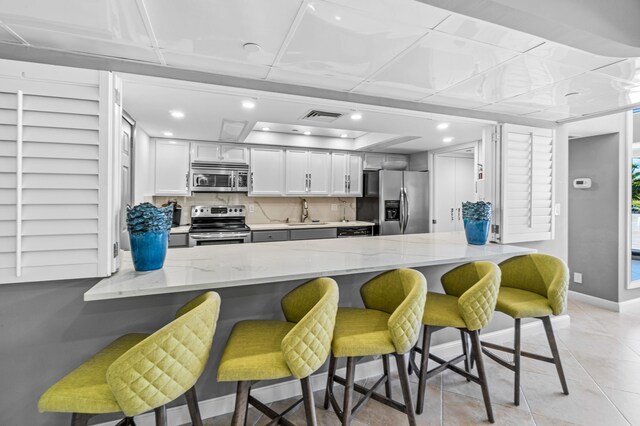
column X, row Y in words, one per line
column 309, row 183
column 458, row 213
column 252, row 181
column 452, row 218
column 349, row 184
column 306, row 182
column 186, row 183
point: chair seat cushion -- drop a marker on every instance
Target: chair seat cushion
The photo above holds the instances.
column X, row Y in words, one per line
column 361, row 332
column 442, row 310
column 85, row 389
column 254, row 352
column 522, row 303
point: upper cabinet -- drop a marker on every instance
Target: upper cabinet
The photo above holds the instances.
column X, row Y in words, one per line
column 172, row 167
column 211, row 152
column 346, row 174
column 267, row 171
column 374, row 160
column 307, row 172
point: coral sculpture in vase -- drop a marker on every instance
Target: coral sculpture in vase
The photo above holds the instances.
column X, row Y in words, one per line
column 149, row 228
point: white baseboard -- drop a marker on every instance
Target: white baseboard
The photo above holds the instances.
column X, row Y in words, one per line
column 276, row 392
column 626, row 306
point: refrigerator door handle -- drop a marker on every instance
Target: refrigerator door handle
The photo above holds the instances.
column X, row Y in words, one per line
column 402, row 212
column 406, row 210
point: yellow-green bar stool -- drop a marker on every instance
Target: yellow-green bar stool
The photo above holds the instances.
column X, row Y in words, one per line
column 140, row 372
column 267, row 350
column 388, row 325
column 533, row 286
column 468, row 305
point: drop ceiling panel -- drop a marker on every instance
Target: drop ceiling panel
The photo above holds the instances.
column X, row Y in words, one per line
column 215, row 65
column 335, row 40
column 6, row 37
column 439, row 61
column 92, row 19
column 413, row 12
column 219, row 28
column 628, row 70
column 570, row 56
column 486, row 32
column 518, row 76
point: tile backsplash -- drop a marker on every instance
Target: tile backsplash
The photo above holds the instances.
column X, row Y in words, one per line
column 268, row 209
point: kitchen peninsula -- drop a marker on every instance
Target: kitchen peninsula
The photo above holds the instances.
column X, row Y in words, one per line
column 215, row 267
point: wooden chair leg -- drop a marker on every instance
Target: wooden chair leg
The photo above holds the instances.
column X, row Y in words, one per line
column 516, row 361
column 330, row 373
column 554, row 351
column 387, row 384
column 348, row 392
column 477, row 352
column 80, row 419
column 161, row 416
column 194, row 409
column 309, row 407
column 242, row 404
column 401, row 361
column 424, row 363
column 465, row 351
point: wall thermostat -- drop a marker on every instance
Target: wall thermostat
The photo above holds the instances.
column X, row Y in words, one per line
column 582, row 183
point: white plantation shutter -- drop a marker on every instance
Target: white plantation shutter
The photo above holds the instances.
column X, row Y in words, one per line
column 54, row 189
column 525, row 185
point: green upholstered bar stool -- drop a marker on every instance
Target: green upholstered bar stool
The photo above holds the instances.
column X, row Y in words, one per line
column 388, row 325
column 267, row 350
column 468, row 305
column 533, row 286
column 140, row 372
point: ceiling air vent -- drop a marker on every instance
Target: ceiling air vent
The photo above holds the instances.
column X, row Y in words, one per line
column 324, row 116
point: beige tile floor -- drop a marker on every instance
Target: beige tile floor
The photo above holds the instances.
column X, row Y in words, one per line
column 601, row 357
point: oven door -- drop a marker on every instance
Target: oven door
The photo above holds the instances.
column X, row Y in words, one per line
column 215, row 238
column 207, row 180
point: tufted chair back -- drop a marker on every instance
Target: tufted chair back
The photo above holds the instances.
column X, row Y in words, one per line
column 543, row 274
column 312, row 306
column 402, row 293
column 476, row 285
column 169, row 362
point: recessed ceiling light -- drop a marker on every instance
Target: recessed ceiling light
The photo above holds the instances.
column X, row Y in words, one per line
column 176, row 114
column 265, row 129
column 167, row 134
column 338, row 17
column 443, row 126
column 356, row 116
column 251, row 47
column 447, row 139
column 344, row 135
column 307, row 133
column 248, row 104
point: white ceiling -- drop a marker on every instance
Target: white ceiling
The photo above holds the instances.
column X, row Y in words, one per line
column 149, row 101
column 390, row 48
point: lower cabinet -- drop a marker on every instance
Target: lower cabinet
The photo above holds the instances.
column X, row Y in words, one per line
column 178, row 240
column 266, row 236
column 293, row 234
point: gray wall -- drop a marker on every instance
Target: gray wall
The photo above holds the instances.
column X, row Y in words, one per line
column 46, row 330
column 593, row 213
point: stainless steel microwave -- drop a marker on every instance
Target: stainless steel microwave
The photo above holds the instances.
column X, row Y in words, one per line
column 217, row 177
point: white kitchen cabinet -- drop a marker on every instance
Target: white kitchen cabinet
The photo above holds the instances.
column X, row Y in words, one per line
column 346, row 174
column 454, row 183
column 210, row 152
column 172, row 167
column 267, row 171
column 307, row 172
column 374, row 160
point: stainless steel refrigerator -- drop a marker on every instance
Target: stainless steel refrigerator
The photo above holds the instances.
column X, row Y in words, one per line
column 397, row 201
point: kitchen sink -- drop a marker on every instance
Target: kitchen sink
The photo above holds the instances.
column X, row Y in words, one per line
column 307, row 223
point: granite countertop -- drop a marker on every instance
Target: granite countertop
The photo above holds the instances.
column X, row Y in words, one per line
column 307, row 225
column 210, row 267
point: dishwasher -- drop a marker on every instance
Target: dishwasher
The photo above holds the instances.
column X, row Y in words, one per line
column 355, row 231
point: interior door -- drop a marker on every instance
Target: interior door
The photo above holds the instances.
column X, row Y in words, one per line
column 444, row 197
column 126, row 195
column 465, row 187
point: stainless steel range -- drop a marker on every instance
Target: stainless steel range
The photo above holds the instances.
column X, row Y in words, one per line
column 218, row 225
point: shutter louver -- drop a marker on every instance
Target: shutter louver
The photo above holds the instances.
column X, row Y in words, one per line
column 50, row 187
column 527, row 199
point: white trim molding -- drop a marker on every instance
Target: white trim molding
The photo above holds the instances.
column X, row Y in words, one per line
column 632, row 305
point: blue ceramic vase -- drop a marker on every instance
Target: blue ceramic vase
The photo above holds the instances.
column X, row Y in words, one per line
column 477, row 231
column 148, row 249
column 477, row 220
column 149, row 228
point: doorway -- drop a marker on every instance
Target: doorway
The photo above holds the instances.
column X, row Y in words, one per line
column 453, row 183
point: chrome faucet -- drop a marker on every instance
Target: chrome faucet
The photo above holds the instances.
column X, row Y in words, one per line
column 305, row 210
